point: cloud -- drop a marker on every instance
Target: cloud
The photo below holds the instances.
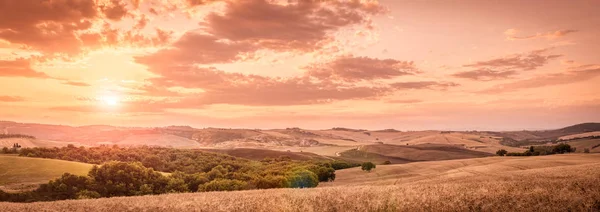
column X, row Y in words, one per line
column 301, row 25
column 221, row 87
column 186, row 51
column 244, row 27
column 404, row 101
column 200, row 2
column 11, row 99
column 19, row 68
column 576, row 74
column 48, row 26
column 485, row 74
column 511, row 34
column 433, row 85
column 73, row 83
column 505, row 67
column 353, row 69
column 114, row 10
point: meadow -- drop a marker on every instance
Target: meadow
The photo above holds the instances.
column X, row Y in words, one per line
column 23, row 173
column 546, row 183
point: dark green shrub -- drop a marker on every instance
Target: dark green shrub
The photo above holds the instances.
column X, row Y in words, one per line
column 224, row 185
column 501, row 152
column 367, row 166
column 303, row 179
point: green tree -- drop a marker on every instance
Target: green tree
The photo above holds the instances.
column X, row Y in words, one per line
column 126, row 179
column 224, row 185
column 303, row 179
column 367, row 166
column 271, row 181
column 562, row 148
column 501, row 152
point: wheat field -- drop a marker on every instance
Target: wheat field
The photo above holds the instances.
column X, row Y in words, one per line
column 562, row 183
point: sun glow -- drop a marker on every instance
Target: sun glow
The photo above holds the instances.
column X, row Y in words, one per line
column 110, row 100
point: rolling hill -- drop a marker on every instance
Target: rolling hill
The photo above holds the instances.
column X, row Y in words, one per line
column 329, row 142
column 379, row 153
column 22, row 173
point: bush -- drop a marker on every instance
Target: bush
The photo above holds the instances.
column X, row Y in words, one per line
column 367, row 166
column 224, row 185
column 586, row 150
column 562, row 148
column 387, row 162
column 501, row 152
column 303, row 179
column 126, row 179
column 271, row 181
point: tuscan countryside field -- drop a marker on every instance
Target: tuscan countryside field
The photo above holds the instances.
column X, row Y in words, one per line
column 299, row 105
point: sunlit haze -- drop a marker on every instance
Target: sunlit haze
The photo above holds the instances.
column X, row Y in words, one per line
column 409, row 65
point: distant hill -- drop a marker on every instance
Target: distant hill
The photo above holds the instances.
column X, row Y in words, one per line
column 259, row 154
column 410, row 153
column 279, row 139
column 518, row 138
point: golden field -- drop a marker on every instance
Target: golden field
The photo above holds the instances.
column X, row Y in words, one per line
column 23, row 173
column 544, row 183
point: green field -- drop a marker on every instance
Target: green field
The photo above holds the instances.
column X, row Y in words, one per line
column 17, row 172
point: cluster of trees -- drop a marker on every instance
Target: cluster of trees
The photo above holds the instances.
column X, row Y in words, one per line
column 131, row 179
column 540, row 150
column 137, row 171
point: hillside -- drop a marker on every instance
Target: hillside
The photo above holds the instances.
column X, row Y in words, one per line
column 329, row 142
column 410, row 153
column 549, row 183
column 592, row 144
column 22, row 173
column 259, row 154
column 517, row 138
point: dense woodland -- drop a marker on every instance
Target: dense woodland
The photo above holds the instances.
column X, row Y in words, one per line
column 137, row 171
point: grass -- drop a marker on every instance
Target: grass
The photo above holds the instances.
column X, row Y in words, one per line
column 17, row 172
column 544, row 183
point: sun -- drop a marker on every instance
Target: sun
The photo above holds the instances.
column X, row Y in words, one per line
column 110, row 100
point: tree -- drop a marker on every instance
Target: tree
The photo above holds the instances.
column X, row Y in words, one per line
column 531, row 149
column 586, row 150
column 562, row 148
column 367, row 166
column 387, row 162
column 224, row 185
column 303, row 179
column 126, row 179
column 501, row 152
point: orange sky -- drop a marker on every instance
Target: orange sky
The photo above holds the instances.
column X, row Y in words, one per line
column 409, row 65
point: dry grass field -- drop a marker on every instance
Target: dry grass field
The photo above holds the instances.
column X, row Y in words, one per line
column 592, row 144
column 545, row 183
column 23, row 173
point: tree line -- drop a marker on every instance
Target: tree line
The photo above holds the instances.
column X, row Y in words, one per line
column 540, row 150
column 137, row 171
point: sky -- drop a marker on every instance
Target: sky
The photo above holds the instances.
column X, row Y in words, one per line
column 402, row 64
